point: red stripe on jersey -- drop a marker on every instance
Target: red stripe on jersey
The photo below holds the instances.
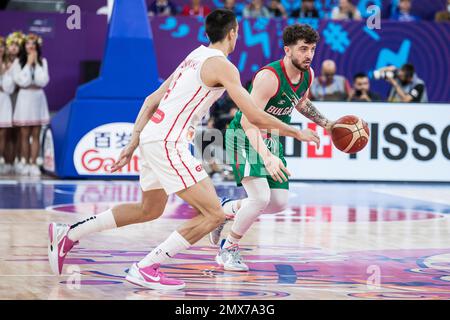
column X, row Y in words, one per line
column 171, row 128
column 182, row 129
column 179, row 114
column 173, row 87
column 283, row 68
column 171, row 164
column 195, row 181
column 276, row 74
column 190, row 115
column 236, row 157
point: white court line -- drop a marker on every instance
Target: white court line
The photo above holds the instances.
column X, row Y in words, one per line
column 32, row 275
column 81, row 182
column 440, row 196
column 300, row 184
column 9, row 182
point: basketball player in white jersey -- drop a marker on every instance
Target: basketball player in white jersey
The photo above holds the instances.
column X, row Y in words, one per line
column 160, row 132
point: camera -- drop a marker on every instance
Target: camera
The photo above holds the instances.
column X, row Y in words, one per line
column 385, row 74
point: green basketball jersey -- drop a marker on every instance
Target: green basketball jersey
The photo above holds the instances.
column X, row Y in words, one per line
column 244, row 159
column 286, row 98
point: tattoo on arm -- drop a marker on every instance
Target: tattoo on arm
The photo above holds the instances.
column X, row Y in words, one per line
column 310, row 111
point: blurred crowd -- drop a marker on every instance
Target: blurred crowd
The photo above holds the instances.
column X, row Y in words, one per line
column 344, row 10
column 23, row 104
column 396, row 10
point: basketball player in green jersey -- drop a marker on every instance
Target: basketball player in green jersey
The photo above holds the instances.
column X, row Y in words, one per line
column 277, row 88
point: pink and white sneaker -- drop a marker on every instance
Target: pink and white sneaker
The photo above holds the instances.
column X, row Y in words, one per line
column 151, row 277
column 59, row 245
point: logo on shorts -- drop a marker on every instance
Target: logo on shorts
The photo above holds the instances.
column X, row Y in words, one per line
column 198, row 168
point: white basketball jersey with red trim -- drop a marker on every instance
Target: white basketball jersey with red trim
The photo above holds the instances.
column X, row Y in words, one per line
column 186, row 101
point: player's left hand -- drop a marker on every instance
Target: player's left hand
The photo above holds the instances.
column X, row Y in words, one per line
column 124, row 158
column 276, row 168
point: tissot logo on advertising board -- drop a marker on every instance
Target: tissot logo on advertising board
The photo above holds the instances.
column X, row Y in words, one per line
column 98, row 150
column 391, row 142
column 409, row 142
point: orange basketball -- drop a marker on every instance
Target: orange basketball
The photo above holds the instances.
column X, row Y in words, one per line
column 350, row 134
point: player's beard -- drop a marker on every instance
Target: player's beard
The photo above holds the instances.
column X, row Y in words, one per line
column 297, row 64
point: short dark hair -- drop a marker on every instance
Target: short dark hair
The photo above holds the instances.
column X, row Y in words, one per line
column 296, row 32
column 359, row 75
column 219, row 23
column 408, row 69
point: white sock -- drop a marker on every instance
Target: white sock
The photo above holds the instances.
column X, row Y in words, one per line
column 230, row 240
column 166, row 250
column 100, row 222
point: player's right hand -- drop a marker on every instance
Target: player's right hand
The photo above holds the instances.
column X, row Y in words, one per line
column 309, row 135
column 276, row 168
column 124, row 158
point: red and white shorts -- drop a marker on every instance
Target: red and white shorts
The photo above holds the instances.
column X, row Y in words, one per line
column 168, row 165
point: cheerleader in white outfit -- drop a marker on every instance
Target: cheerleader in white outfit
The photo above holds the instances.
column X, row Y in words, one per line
column 6, row 88
column 14, row 42
column 30, row 73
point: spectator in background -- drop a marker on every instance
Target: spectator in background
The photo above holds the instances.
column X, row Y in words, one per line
column 329, row 86
column 307, row 10
column 162, row 8
column 14, row 43
column 196, row 9
column 6, row 88
column 444, row 15
column 345, row 11
column 277, row 10
column 403, row 12
column 361, row 90
column 231, row 5
column 30, row 73
column 406, row 85
column 256, row 9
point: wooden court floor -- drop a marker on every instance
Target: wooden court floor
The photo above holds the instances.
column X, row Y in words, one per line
column 336, row 241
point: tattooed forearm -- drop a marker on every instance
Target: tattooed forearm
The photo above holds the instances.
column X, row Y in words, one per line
column 310, row 111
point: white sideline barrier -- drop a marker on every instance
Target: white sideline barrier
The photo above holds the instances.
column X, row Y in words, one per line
column 408, row 142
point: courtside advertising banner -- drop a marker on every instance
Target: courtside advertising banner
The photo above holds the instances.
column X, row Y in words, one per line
column 100, row 148
column 408, row 142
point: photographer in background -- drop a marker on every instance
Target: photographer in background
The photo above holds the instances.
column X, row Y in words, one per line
column 406, row 85
column 361, row 90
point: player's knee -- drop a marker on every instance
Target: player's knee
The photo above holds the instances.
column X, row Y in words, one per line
column 260, row 201
column 150, row 211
